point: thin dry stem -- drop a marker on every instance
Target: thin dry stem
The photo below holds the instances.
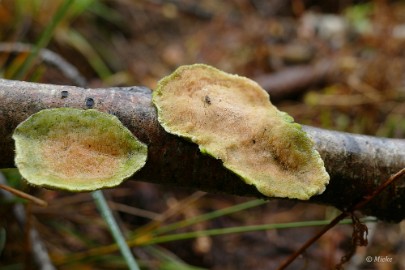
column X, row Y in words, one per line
column 24, row 195
column 340, row 217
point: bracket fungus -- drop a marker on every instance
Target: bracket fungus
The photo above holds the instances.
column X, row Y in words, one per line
column 232, row 119
column 76, row 150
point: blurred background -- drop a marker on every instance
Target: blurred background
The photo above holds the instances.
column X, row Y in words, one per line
column 333, row 64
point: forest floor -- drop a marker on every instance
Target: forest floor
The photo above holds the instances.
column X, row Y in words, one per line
column 333, row 64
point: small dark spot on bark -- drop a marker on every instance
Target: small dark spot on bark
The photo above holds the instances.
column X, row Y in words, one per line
column 89, row 102
column 64, row 94
column 253, row 141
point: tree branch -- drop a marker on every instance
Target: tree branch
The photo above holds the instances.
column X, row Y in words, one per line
column 356, row 163
column 295, row 80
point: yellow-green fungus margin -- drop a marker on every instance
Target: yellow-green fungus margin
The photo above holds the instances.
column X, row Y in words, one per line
column 232, row 119
column 76, row 150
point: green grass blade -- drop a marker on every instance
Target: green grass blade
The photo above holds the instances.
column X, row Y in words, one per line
column 244, row 229
column 209, row 216
column 79, row 42
column 115, row 231
column 169, row 261
column 43, row 39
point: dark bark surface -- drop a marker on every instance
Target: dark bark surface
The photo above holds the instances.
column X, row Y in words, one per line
column 357, row 164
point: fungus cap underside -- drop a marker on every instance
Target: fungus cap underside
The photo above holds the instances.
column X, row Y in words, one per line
column 232, row 119
column 76, row 150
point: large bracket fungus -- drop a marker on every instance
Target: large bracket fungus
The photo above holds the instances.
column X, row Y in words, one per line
column 232, row 119
column 76, row 150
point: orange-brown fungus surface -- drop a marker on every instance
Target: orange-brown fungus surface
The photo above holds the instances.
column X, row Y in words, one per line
column 232, row 119
column 81, row 156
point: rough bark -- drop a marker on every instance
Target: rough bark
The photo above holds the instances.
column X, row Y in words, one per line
column 357, row 164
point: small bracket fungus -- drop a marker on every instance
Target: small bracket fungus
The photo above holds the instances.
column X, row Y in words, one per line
column 76, row 150
column 231, row 118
